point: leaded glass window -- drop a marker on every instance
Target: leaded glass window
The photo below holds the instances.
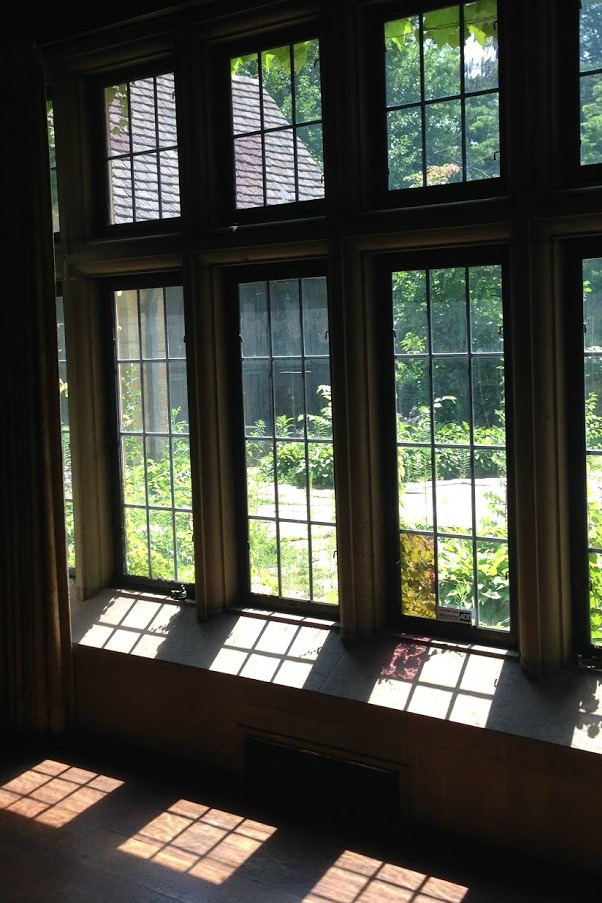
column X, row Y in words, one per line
column 451, row 445
column 142, row 150
column 288, row 438
column 442, row 96
column 277, row 125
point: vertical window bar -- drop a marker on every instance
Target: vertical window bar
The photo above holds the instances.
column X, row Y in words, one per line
column 422, row 104
column 264, row 167
column 294, row 120
column 131, row 153
column 170, row 434
column 158, row 145
column 433, row 460
column 144, row 433
column 274, row 439
column 471, row 429
column 463, row 126
column 306, row 440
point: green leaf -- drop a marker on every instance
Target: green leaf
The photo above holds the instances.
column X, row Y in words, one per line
column 279, row 57
column 399, row 30
column 300, row 53
column 480, row 19
column 443, row 26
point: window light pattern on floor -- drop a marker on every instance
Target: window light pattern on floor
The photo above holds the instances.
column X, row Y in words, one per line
column 205, row 842
column 54, row 793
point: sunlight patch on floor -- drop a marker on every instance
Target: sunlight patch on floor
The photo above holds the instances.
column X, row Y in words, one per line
column 205, row 842
column 355, row 878
column 54, row 793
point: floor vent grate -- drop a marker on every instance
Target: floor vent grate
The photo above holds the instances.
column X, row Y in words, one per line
column 323, row 788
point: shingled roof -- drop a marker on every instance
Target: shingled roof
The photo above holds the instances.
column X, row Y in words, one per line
column 286, row 179
column 144, row 173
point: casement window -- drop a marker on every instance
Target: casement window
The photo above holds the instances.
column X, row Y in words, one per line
column 584, row 331
column 152, row 422
column 142, row 149
column 364, row 418
column 288, row 438
column 451, row 444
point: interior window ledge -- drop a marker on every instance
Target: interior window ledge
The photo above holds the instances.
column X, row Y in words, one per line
column 467, row 684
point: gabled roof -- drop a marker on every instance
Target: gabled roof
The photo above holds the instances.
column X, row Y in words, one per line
column 274, row 137
column 265, row 149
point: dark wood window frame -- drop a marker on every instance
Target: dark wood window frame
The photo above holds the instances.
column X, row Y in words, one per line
column 543, row 204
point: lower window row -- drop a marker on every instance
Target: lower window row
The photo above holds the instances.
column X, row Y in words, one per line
column 443, row 357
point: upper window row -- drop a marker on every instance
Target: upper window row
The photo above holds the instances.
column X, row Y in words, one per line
column 439, row 115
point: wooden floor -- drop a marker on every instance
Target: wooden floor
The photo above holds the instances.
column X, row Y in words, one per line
column 82, row 825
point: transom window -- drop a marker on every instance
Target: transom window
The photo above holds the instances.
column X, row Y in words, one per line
column 277, row 125
column 590, row 58
column 142, row 149
column 451, row 445
column 442, row 96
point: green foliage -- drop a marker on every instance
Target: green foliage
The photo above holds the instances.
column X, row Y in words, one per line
column 453, row 447
column 289, row 560
column 301, row 451
column 294, row 86
column 157, row 494
column 168, row 539
column 298, row 461
column 452, row 577
column 456, row 574
column 590, row 51
column 480, row 22
column 417, row 575
column 426, row 49
column 118, row 95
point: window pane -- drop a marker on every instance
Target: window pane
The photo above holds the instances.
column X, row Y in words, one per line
column 288, row 438
column 590, row 66
column 451, row 445
column 590, row 32
column 65, row 432
column 406, row 146
column 52, row 161
column 592, row 362
column 442, row 106
column 277, row 125
column 154, row 434
column 441, row 49
column 142, row 149
column 591, row 118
